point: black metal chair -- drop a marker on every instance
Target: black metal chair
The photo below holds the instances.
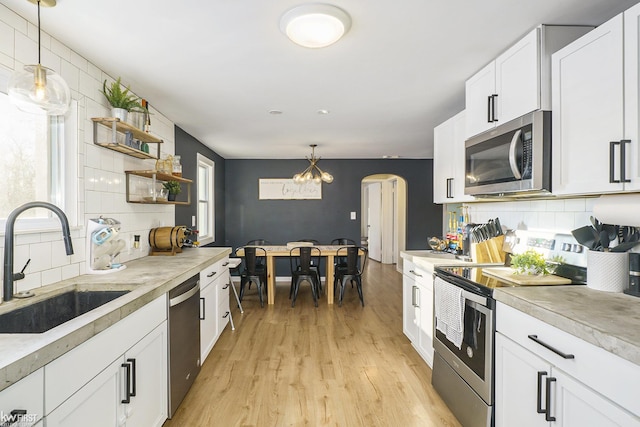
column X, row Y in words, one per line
column 258, row 242
column 300, row 259
column 315, row 267
column 352, row 271
column 341, row 261
column 253, row 270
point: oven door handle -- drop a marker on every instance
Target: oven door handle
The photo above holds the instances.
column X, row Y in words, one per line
column 512, row 155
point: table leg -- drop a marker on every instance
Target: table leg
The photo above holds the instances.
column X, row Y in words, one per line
column 271, row 279
column 328, row 281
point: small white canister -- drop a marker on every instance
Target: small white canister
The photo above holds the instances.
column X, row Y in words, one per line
column 608, row 271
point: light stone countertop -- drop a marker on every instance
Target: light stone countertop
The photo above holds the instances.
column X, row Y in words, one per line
column 429, row 259
column 608, row 320
column 147, row 278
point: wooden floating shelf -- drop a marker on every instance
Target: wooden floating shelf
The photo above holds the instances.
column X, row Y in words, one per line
column 124, row 127
column 121, row 148
column 160, row 176
column 157, row 176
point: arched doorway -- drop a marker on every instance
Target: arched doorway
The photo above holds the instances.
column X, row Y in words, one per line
column 384, row 216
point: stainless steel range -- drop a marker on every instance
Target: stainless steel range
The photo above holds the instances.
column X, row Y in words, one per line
column 463, row 342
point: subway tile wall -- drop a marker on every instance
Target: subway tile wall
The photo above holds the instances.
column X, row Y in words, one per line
column 101, row 178
column 554, row 215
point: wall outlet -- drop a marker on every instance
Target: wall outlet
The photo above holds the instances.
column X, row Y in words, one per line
column 353, row 215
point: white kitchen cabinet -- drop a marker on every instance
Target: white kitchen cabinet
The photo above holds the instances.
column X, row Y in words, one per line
column 588, row 112
column 24, row 399
column 516, row 82
column 632, row 94
column 448, row 161
column 90, row 378
column 558, row 379
column 214, row 304
column 418, row 309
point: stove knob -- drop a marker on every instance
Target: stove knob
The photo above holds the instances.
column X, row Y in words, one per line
column 577, row 248
column 566, row 247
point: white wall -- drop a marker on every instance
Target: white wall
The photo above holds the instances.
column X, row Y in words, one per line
column 557, row 215
column 101, row 178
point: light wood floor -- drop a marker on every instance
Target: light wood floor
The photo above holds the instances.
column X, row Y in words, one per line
column 325, row 366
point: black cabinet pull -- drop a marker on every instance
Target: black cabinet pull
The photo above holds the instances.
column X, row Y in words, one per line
column 127, row 375
column 547, row 415
column 539, row 396
column 226, row 286
column 226, row 315
column 225, row 264
column 133, row 376
column 549, row 347
column 493, row 107
column 489, row 113
column 16, row 417
column 213, row 273
column 623, row 160
column 202, row 305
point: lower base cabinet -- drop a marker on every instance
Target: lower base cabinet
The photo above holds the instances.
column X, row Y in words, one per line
column 131, row 391
column 23, row 402
column 417, row 292
column 532, row 389
column 214, row 304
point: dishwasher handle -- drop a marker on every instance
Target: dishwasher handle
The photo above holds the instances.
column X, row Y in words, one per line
column 185, row 296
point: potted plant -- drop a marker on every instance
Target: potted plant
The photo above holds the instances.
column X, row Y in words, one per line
column 173, row 187
column 121, row 101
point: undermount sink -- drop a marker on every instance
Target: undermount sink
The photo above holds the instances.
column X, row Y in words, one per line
column 47, row 314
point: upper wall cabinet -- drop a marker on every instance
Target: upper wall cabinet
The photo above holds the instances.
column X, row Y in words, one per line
column 595, row 110
column 448, row 164
column 516, row 82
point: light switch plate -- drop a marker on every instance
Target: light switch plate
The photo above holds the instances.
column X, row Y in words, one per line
column 353, row 215
column 193, row 220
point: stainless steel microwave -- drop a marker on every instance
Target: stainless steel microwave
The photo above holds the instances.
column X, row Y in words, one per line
column 513, row 159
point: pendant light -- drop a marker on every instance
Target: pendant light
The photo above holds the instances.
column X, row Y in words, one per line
column 313, row 172
column 38, row 89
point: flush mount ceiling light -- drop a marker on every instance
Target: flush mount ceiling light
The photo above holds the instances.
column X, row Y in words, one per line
column 313, row 172
column 38, row 89
column 315, row 25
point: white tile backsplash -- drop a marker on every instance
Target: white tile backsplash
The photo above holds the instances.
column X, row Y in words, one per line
column 101, row 178
column 561, row 215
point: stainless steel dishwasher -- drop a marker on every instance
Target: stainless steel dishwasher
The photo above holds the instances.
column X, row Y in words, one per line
column 184, row 340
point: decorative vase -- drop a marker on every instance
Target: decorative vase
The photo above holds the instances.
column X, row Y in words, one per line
column 120, row 113
column 172, row 197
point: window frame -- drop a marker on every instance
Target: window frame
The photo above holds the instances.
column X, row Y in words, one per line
column 209, row 165
column 64, row 192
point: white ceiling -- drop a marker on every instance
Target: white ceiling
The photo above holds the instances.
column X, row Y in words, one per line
column 217, row 67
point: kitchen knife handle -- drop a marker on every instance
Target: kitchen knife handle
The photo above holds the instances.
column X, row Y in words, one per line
column 539, row 396
column 547, row 415
column 549, row 347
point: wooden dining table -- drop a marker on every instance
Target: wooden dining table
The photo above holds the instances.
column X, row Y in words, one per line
column 273, row 251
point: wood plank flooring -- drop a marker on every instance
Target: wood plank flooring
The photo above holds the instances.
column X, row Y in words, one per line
column 325, row 366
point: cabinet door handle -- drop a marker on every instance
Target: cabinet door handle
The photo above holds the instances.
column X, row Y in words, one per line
column 202, row 306
column 623, row 160
column 494, row 116
column 226, row 315
column 547, row 415
column 213, row 273
column 449, row 188
column 226, row 286
column 414, row 273
column 15, row 417
column 612, row 162
column 127, row 376
column 489, row 108
column 417, row 296
column 133, row 376
column 225, row 264
column 539, row 395
column 535, row 339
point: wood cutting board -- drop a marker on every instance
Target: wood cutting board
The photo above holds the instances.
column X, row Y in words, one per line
column 506, row 273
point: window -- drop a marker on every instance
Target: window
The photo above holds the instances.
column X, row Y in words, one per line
column 206, row 213
column 39, row 162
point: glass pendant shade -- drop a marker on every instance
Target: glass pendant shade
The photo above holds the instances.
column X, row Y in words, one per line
column 37, row 89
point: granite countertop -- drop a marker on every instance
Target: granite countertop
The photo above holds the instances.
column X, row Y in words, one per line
column 147, row 278
column 608, row 320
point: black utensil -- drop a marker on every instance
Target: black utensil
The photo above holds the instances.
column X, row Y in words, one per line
column 623, row 247
column 585, row 236
column 604, row 240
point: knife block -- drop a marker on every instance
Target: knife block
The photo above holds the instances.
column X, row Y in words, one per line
column 488, row 251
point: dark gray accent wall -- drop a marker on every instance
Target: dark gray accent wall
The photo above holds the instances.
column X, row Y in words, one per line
column 188, row 147
column 281, row 221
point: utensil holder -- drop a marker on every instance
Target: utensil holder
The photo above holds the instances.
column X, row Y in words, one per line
column 607, row 271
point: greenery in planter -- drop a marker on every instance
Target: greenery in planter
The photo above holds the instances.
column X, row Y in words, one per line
column 534, row 263
column 173, row 187
column 119, row 98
